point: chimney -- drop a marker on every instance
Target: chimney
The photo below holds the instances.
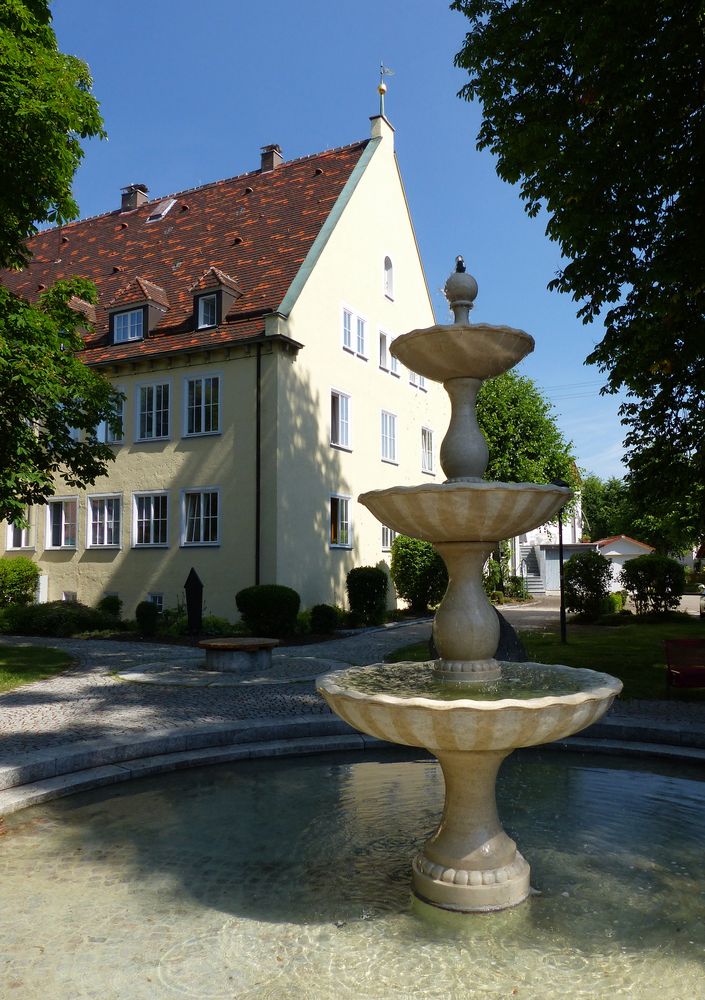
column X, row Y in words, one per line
column 133, row 196
column 271, row 158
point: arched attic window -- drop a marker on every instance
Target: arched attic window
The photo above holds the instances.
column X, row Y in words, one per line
column 388, row 278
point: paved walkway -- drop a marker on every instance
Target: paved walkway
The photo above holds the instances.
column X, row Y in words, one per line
column 120, row 704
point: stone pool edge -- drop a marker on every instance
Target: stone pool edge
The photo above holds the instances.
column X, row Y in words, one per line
column 44, row 775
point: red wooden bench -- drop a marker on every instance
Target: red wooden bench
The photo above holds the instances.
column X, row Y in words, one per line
column 685, row 663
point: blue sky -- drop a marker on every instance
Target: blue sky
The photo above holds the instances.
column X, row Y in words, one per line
column 190, row 91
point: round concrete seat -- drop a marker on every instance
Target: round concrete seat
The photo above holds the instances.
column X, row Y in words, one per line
column 239, row 654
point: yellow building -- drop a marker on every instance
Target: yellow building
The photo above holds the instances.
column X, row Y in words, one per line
column 248, row 323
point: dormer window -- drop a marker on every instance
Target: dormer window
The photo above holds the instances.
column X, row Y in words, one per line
column 207, row 310
column 128, row 326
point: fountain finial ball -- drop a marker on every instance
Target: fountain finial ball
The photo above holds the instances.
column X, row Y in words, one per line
column 460, row 290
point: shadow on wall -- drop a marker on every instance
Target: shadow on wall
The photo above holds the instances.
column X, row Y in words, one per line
column 310, row 471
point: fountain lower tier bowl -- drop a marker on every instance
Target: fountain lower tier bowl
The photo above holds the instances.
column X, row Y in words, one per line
column 469, row 864
column 474, row 350
column 465, row 511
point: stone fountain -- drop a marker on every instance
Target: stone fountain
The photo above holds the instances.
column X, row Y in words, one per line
column 467, row 708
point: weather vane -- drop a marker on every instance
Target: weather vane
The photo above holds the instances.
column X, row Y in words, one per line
column 382, row 88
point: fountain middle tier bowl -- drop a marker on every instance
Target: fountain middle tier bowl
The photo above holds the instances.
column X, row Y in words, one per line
column 475, row 350
column 531, row 704
column 465, row 511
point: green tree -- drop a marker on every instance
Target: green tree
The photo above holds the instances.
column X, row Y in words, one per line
column 605, row 504
column 47, row 395
column 524, row 441
column 597, row 111
column 587, row 582
column 418, row 573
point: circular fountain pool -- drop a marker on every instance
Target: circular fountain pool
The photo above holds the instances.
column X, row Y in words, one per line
column 289, row 879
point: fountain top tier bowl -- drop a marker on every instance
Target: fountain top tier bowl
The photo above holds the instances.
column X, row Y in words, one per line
column 475, row 350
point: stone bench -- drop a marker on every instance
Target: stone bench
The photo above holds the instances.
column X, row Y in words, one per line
column 238, row 654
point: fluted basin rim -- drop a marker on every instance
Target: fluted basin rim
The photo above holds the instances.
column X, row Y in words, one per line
column 608, row 687
column 470, row 485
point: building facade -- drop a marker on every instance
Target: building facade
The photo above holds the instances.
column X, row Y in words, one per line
column 248, row 324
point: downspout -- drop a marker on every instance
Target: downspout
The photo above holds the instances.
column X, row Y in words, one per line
column 258, row 465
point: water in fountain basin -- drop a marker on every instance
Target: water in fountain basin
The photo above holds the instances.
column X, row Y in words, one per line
column 520, row 681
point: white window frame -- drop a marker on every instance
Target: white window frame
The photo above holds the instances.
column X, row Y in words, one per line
column 48, row 537
column 413, row 378
column 151, row 520
column 393, row 362
column 103, row 431
column 346, row 329
column 200, row 492
column 203, row 409
column 388, row 278
column 340, row 426
column 21, row 538
column 130, row 331
column 340, row 521
column 107, row 524
column 384, row 355
column 157, row 599
column 427, row 450
column 388, row 536
column 422, row 383
column 202, row 299
column 388, row 428
column 354, row 333
column 152, row 410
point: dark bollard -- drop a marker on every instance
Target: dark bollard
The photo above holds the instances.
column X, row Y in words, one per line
column 193, row 589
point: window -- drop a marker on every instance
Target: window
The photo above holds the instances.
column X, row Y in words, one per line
column 361, row 336
column 203, row 405
column 340, row 532
column 383, row 351
column 354, row 333
column 339, row 419
column 21, row 538
column 388, row 278
column 207, row 311
column 393, row 365
column 413, row 378
column 153, row 416
column 388, row 536
column 104, row 431
column 389, row 437
column 200, row 517
column 422, row 383
column 158, row 600
column 426, row 449
column 62, row 518
column 69, row 596
column 347, row 330
column 150, row 519
column 128, row 326
column 104, row 521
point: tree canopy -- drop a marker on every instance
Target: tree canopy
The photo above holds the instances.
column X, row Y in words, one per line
column 524, row 441
column 50, row 403
column 598, row 112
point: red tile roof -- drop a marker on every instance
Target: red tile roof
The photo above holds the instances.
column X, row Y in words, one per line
column 602, row 542
column 256, row 228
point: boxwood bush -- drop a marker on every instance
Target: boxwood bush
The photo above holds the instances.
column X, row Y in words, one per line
column 56, row 618
column 18, row 580
column 269, row 609
column 654, row 583
column 587, row 583
column 367, row 594
column 418, row 573
column 325, row 619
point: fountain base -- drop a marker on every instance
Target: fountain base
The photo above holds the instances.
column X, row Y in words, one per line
column 468, row 672
column 471, row 891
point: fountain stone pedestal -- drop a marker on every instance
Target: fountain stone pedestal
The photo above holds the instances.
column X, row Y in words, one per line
column 491, row 708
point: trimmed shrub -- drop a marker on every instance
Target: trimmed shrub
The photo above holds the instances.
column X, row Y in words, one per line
column 269, row 610
column 587, row 581
column 324, row 619
column 18, row 580
column 110, row 605
column 418, row 573
column 367, row 593
column 57, row 618
column 654, row 583
column 612, row 604
column 147, row 616
column 516, row 588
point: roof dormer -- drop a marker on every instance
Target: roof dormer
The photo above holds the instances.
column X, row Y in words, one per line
column 213, row 297
column 136, row 310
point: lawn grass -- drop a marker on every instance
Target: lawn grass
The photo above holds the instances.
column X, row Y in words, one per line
column 633, row 653
column 24, row 664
